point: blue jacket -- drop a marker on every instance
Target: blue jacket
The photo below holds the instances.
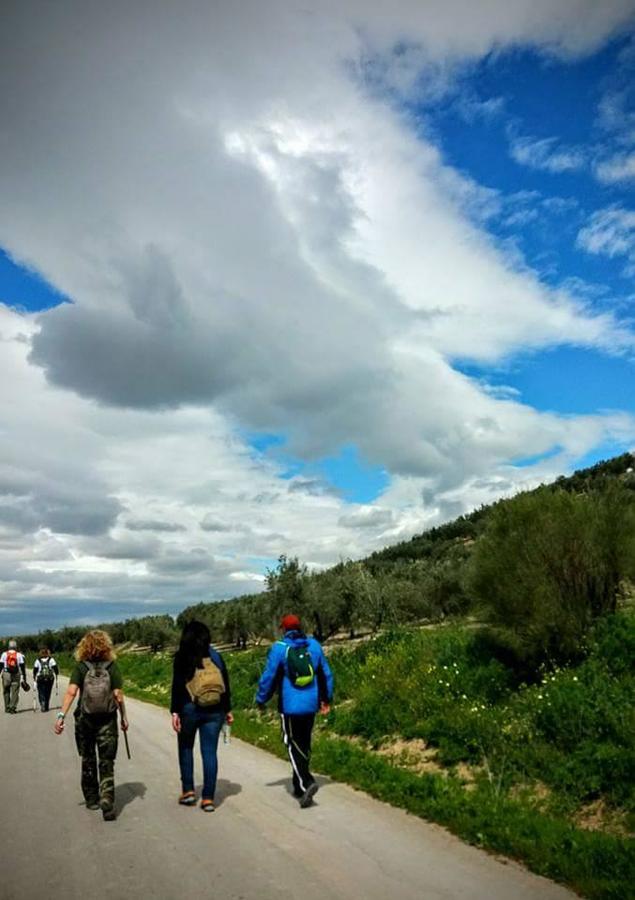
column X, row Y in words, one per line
column 294, row 700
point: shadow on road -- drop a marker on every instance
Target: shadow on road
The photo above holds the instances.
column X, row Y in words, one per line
column 126, row 793
column 225, row 789
column 288, row 784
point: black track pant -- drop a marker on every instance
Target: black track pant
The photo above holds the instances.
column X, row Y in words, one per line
column 296, row 734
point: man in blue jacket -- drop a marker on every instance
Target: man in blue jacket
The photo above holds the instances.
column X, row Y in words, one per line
column 297, row 668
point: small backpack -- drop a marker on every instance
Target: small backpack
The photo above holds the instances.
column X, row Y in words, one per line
column 97, row 689
column 300, row 669
column 207, row 685
column 46, row 672
column 12, row 661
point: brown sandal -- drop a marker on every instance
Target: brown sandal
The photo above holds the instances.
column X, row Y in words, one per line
column 187, row 799
column 207, row 805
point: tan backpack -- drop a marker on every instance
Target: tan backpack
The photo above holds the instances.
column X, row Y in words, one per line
column 206, row 686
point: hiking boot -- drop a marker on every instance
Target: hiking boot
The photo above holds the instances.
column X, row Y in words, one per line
column 207, row 805
column 107, row 805
column 93, row 804
column 307, row 797
column 187, row 798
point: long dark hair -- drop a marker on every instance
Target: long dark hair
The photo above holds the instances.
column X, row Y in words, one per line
column 194, row 646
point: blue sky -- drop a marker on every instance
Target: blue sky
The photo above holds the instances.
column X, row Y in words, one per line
column 379, row 275
column 539, row 98
column 23, row 288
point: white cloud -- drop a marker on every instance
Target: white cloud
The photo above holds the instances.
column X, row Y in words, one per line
column 265, row 245
column 610, row 232
column 617, row 169
column 545, row 154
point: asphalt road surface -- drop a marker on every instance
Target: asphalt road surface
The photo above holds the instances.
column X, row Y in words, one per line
column 258, row 843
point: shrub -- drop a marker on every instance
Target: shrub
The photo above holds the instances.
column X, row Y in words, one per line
column 548, row 564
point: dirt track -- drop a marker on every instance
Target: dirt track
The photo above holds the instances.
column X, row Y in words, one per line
column 258, row 844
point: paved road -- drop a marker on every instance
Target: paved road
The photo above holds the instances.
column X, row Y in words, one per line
column 258, row 843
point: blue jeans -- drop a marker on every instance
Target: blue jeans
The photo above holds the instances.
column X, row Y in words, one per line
column 208, row 723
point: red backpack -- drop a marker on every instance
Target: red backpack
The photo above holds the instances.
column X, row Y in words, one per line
column 12, row 661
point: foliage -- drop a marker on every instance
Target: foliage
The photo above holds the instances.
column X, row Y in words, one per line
column 548, row 564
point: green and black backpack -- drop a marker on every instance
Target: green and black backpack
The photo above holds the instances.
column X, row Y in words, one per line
column 299, row 665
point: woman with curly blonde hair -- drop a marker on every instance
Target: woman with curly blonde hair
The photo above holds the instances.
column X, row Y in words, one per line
column 95, row 645
column 98, row 681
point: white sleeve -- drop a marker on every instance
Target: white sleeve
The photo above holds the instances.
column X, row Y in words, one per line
column 37, row 665
column 21, row 659
column 52, row 661
column 3, row 658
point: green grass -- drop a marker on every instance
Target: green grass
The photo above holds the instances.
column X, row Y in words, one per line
column 513, row 766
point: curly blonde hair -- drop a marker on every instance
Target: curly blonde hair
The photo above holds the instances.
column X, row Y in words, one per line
column 95, row 645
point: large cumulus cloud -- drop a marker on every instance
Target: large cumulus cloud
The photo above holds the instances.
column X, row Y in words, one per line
column 252, row 235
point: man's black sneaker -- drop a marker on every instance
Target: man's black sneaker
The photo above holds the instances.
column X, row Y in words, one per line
column 307, row 797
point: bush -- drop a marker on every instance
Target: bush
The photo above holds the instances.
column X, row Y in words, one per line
column 547, row 566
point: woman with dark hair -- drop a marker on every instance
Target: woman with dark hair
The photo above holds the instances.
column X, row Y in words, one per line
column 201, row 701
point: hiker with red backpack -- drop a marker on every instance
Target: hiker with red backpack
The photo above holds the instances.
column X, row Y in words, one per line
column 98, row 681
column 298, row 669
column 12, row 666
column 201, row 702
column 45, row 673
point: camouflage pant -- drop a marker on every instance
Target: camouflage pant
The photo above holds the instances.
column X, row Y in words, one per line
column 97, row 736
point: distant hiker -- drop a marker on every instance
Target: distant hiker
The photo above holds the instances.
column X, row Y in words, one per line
column 201, row 701
column 45, row 672
column 13, row 669
column 98, row 681
column 298, row 669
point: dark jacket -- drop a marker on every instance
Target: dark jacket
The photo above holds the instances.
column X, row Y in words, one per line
column 181, row 675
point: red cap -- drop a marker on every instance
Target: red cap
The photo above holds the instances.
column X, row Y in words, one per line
column 289, row 623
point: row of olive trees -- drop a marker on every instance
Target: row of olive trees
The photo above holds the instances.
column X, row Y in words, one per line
column 347, row 598
column 155, row 632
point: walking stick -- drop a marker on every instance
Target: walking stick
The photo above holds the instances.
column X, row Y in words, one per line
column 125, row 733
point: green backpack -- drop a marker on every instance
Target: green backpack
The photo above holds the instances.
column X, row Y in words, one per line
column 299, row 664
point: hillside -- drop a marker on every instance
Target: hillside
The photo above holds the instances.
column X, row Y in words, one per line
column 422, row 579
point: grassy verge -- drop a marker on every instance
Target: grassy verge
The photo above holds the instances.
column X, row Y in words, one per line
column 427, row 721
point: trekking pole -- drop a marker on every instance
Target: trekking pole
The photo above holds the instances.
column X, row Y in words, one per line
column 125, row 733
column 125, row 737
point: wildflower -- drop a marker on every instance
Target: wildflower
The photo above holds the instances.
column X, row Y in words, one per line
column 575, row 677
column 540, row 696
